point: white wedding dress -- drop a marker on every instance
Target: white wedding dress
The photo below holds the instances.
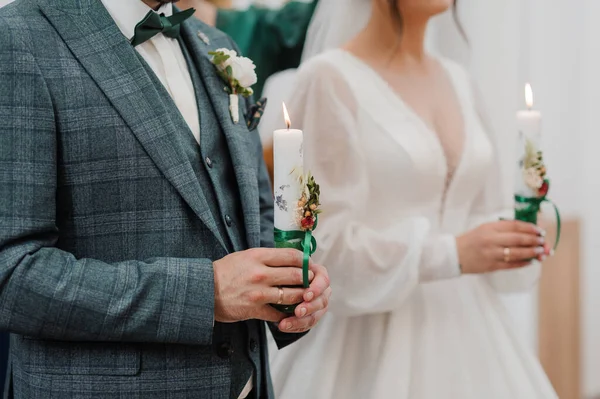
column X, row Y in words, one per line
column 403, row 323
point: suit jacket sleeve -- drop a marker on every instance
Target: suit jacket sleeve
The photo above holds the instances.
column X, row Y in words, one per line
column 46, row 292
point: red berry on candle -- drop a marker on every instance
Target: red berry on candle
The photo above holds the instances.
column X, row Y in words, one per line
column 308, row 223
column 543, row 191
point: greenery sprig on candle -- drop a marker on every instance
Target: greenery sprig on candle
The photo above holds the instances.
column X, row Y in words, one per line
column 534, row 176
column 534, row 170
column 308, row 205
column 301, row 238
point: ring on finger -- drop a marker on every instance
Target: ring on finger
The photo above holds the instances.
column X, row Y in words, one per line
column 507, row 254
column 280, row 300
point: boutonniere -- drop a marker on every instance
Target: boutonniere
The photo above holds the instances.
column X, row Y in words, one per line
column 238, row 72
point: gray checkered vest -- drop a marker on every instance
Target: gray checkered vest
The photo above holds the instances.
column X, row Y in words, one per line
column 212, row 165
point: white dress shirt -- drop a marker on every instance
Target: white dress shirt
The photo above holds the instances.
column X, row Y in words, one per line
column 164, row 56
column 166, row 59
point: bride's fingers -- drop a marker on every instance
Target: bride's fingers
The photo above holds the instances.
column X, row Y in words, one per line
column 516, row 254
column 300, row 325
column 308, row 308
column 511, row 240
column 518, row 226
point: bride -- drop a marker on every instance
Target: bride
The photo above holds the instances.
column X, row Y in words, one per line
column 411, row 230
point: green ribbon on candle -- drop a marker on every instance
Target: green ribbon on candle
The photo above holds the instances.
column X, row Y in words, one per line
column 303, row 241
column 528, row 208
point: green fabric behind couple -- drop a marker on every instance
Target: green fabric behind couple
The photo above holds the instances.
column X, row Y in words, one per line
column 273, row 39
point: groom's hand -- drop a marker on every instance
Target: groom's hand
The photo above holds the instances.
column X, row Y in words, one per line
column 314, row 307
column 247, row 282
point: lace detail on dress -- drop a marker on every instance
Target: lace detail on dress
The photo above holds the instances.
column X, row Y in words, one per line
column 453, row 154
column 449, row 178
column 447, row 183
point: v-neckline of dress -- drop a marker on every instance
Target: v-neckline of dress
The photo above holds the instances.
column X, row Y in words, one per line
column 433, row 135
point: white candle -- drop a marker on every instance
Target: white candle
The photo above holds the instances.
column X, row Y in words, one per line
column 529, row 127
column 288, row 166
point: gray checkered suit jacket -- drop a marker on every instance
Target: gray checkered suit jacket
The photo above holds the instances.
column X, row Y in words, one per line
column 107, row 234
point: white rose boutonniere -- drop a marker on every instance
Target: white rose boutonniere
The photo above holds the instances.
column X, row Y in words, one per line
column 238, row 72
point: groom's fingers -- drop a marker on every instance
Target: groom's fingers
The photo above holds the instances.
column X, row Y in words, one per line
column 286, row 276
column 278, row 257
column 287, row 296
column 270, row 314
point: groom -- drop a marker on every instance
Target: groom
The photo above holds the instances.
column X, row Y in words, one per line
column 128, row 200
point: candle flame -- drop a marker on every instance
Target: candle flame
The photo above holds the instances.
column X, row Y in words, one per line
column 528, row 96
column 286, row 116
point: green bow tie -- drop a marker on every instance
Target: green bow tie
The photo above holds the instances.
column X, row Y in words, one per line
column 153, row 24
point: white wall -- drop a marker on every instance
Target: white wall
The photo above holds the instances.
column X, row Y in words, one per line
column 589, row 191
column 565, row 60
column 555, row 63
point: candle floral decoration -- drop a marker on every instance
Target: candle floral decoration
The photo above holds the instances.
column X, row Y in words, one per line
column 532, row 184
column 297, row 203
column 534, row 170
column 308, row 206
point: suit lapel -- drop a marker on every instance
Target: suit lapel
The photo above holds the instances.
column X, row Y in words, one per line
column 241, row 147
column 91, row 34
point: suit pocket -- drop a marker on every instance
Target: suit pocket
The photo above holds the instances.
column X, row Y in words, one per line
column 77, row 358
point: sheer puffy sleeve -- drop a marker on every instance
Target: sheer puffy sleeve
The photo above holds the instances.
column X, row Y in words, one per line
column 493, row 203
column 372, row 270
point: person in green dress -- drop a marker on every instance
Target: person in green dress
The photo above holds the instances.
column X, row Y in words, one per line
column 272, row 38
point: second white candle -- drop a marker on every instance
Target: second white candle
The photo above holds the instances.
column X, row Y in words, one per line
column 529, row 130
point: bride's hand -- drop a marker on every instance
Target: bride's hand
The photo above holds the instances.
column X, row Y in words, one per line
column 500, row 245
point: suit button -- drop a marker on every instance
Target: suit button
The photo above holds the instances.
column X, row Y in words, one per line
column 224, row 350
column 253, row 345
column 228, row 220
column 208, row 162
